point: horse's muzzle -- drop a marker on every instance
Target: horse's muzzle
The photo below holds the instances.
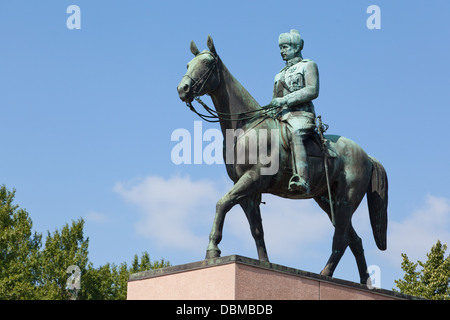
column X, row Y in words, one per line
column 185, row 90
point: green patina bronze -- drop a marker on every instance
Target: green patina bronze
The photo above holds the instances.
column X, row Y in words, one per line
column 331, row 169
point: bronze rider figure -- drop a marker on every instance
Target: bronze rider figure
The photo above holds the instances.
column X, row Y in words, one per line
column 296, row 85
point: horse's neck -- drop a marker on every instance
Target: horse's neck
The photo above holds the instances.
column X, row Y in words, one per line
column 231, row 98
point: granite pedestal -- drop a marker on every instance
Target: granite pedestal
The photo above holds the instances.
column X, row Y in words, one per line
column 241, row 278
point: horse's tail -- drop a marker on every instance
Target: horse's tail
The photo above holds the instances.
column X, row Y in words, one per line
column 377, row 200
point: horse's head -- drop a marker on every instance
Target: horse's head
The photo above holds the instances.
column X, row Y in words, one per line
column 202, row 76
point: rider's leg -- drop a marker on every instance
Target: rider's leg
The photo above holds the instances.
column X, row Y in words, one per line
column 301, row 125
column 300, row 178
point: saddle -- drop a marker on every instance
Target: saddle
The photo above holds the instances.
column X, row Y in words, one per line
column 313, row 145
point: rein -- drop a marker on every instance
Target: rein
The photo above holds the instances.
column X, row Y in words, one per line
column 216, row 116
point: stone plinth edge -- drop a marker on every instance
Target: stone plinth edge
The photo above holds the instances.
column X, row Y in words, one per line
column 236, row 277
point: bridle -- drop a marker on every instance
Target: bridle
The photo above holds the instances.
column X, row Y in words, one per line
column 202, row 80
column 213, row 115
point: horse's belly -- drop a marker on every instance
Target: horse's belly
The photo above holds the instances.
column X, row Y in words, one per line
column 317, row 179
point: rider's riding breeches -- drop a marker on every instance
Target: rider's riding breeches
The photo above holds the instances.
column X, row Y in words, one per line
column 301, row 125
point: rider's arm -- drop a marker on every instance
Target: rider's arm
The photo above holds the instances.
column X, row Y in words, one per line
column 277, row 101
column 311, row 89
column 276, row 86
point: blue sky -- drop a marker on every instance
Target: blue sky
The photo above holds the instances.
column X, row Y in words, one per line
column 87, row 117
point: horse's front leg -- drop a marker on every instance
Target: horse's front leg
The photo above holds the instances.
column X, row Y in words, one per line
column 239, row 191
column 250, row 205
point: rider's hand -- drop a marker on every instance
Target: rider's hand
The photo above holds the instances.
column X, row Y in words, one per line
column 278, row 102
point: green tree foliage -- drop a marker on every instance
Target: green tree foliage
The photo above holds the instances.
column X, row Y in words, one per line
column 19, row 251
column 62, row 249
column 146, row 264
column 29, row 270
column 432, row 281
column 109, row 282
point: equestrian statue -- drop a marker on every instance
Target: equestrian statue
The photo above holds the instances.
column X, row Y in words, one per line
column 331, row 169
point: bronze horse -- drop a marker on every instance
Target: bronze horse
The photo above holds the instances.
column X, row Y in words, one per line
column 351, row 172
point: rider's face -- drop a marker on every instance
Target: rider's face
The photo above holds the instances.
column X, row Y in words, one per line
column 288, row 51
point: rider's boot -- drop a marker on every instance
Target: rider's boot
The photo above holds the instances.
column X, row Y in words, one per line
column 300, row 180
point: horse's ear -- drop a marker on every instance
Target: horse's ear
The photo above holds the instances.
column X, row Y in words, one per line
column 211, row 46
column 194, row 48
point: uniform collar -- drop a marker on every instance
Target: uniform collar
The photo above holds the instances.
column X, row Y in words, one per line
column 293, row 61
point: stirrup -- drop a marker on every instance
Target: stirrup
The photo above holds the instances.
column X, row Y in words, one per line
column 297, row 183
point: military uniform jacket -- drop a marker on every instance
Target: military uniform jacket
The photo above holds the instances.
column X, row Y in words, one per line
column 298, row 82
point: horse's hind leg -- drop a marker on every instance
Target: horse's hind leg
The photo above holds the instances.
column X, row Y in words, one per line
column 358, row 251
column 243, row 188
column 343, row 214
column 343, row 237
column 250, row 206
column 344, row 234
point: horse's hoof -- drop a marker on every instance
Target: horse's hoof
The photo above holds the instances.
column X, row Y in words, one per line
column 326, row 272
column 367, row 281
column 213, row 253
